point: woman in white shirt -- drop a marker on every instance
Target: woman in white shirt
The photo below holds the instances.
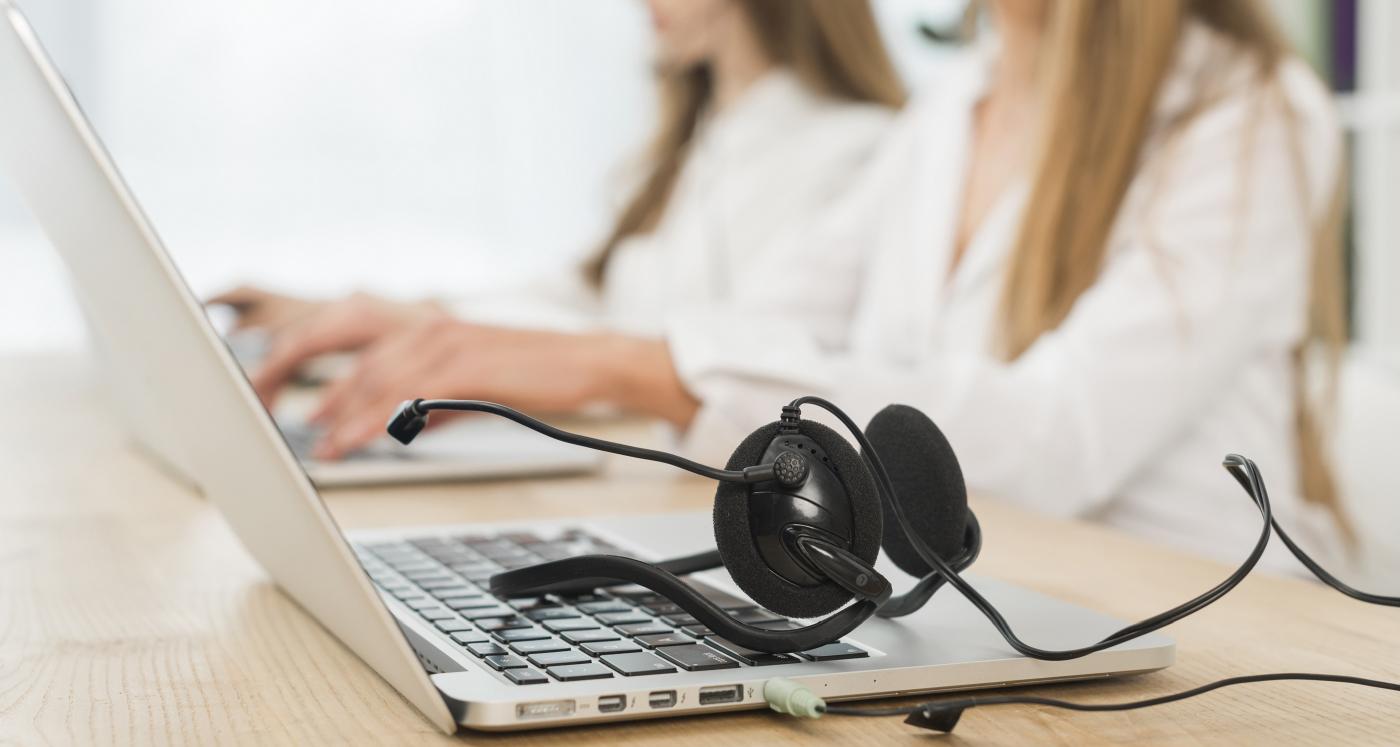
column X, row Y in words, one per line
column 766, row 109
column 1095, row 252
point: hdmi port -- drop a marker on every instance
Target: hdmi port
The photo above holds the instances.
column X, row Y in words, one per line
column 724, row 694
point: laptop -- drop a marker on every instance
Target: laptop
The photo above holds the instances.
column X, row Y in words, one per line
column 411, row 602
column 465, row 449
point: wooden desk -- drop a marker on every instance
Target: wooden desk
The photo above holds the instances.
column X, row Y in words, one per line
column 130, row 614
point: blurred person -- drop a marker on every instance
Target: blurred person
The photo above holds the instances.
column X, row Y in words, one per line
column 1100, row 251
column 767, row 107
column 1097, row 249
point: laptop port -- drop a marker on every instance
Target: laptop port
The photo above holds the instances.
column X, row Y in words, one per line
column 662, row 699
column 612, row 703
column 722, row 694
column 545, row 709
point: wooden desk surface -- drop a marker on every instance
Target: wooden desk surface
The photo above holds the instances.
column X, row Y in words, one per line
column 130, row 614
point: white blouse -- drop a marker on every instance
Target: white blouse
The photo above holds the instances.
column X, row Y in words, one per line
column 772, row 162
column 1179, row 354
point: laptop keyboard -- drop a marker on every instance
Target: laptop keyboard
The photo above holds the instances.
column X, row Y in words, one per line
column 617, row 632
column 302, row 438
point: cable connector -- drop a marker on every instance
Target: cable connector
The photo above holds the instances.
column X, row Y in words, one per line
column 791, row 417
column 785, row 696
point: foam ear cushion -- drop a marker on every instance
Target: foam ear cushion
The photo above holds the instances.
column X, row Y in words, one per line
column 735, row 540
column 928, row 483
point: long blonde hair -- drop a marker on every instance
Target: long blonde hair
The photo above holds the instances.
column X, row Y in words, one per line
column 1103, row 66
column 834, row 48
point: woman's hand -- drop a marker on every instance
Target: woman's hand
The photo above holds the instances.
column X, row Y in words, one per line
column 263, row 309
column 300, row 330
column 528, row 369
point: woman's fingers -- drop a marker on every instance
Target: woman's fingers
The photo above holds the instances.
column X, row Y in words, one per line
column 293, row 348
column 264, row 309
column 365, row 423
column 395, row 353
column 397, row 370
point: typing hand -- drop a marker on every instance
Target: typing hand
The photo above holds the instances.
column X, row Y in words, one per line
column 448, row 358
column 300, row 330
column 263, row 309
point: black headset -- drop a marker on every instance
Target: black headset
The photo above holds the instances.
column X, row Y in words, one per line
column 800, row 516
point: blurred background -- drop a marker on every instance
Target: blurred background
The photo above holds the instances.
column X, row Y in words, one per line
column 447, row 145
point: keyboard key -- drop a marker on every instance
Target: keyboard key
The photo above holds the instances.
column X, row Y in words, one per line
column 525, row 676
column 484, row 612
column 650, row 628
column 697, row 658
column 436, row 613
column 456, row 592
column 465, row 637
column 486, row 648
column 664, row 608
column 420, row 603
column 748, row 655
column 590, row 636
column 833, row 652
column 664, row 639
column 610, row 647
column 452, row 626
column 638, row 663
column 478, row 602
column 559, row 658
column 581, row 599
column 503, row 623
column 679, row 621
column 439, row 583
column 698, row 631
column 574, row 672
column 622, row 618
column 542, row 646
column 512, row 635
column 638, row 595
column 552, row 613
column 778, row 625
column 575, row 623
column 607, row 605
column 724, row 600
column 504, row 661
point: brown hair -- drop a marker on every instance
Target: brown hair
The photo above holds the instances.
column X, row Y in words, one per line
column 834, row 48
column 1098, row 121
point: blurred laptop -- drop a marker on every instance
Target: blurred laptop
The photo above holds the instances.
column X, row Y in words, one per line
column 83, row 223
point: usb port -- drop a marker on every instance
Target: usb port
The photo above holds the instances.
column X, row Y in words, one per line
column 662, row 699
column 724, row 694
column 612, row 703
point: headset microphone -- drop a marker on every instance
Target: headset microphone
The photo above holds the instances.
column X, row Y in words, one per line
column 411, row 418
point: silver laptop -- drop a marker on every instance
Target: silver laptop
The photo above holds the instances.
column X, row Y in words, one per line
column 474, row 448
column 410, row 602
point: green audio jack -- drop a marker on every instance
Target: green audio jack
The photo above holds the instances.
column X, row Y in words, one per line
column 785, row 696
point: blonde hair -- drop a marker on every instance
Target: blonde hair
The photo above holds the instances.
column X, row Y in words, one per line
column 1103, row 66
column 834, row 48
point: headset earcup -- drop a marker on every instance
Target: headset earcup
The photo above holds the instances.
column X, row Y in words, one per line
column 735, row 540
column 928, row 482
